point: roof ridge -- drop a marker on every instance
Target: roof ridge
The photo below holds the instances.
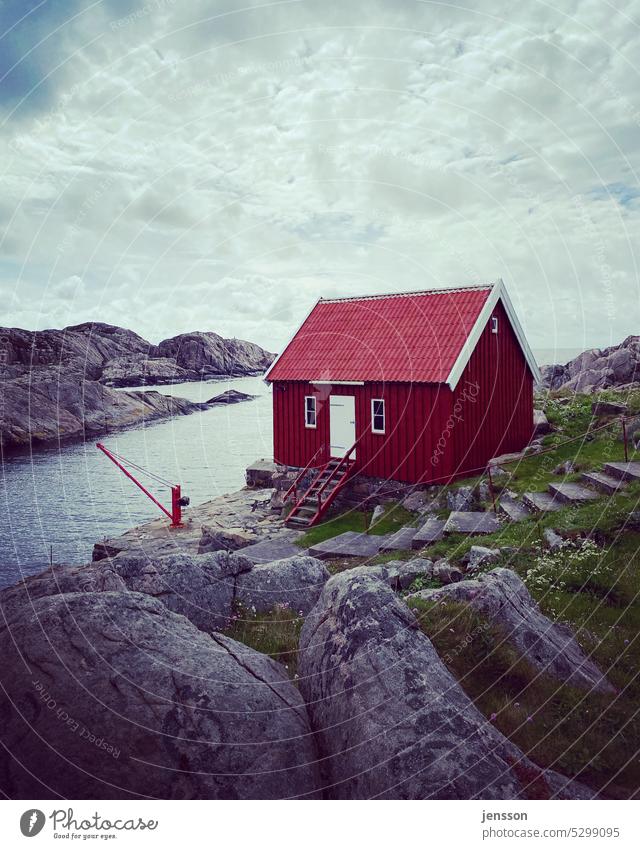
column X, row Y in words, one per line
column 415, row 292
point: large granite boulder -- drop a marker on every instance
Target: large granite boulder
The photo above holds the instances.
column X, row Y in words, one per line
column 209, row 355
column 550, row 647
column 294, row 582
column 111, row 695
column 200, row 586
column 390, row 720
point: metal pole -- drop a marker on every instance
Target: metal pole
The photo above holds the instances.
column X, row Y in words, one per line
column 624, row 433
column 107, row 453
column 176, row 507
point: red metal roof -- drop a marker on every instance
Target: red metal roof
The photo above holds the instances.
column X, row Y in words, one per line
column 414, row 337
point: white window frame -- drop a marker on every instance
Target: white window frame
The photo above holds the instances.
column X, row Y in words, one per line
column 375, row 401
column 494, row 323
column 307, row 410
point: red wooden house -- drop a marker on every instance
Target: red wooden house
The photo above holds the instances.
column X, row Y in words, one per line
column 419, row 387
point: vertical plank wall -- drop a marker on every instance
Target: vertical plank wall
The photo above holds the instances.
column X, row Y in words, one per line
column 500, row 419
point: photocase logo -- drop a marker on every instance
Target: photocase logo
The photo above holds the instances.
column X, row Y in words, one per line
column 32, row 822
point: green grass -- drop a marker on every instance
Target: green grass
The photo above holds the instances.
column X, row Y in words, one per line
column 275, row 633
column 352, row 520
column 591, row 736
column 393, row 518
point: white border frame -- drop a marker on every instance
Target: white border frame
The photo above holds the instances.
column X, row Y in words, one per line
column 315, row 412
column 384, row 416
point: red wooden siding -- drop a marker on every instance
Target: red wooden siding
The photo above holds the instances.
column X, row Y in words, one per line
column 415, row 418
column 500, row 419
column 432, row 433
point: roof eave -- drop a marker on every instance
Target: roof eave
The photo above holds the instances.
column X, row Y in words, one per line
column 498, row 293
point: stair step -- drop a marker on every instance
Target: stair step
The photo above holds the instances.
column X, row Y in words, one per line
column 513, row 509
column 572, row 493
column 401, row 540
column 623, row 471
column 297, row 522
column 603, row 482
column 541, row 502
column 432, row 531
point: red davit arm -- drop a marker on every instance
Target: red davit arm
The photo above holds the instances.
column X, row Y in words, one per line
column 176, row 499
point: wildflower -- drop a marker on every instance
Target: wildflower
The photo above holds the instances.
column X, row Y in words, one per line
column 493, row 716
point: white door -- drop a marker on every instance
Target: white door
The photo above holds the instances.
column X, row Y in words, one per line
column 342, row 429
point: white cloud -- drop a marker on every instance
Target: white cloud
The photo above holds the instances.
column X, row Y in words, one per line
column 201, row 167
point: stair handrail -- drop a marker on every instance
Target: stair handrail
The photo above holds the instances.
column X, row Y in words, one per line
column 344, row 458
column 294, row 486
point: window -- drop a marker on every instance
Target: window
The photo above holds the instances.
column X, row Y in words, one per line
column 309, row 410
column 377, row 416
column 494, row 323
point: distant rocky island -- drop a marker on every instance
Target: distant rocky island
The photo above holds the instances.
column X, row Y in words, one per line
column 59, row 384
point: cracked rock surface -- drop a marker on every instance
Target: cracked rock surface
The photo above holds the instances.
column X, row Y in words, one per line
column 112, row 695
column 389, row 718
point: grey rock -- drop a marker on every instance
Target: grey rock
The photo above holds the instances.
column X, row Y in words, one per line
column 430, row 532
column 398, row 574
column 416, row 501
column 122, row 697
column 230, row 396
column 378, row 513
column 461, row 498
column 550, row 647
column 217, row 538
column 390, row 720
column 608, row 408
column 471, row 523
column 57, row 384
column 140, row 370
column 541, row 424
column 618, row 365
column 261, row 473
column 295, row 582
column 444, row 572
column 201, row 587
column 553, row 539
column 348, row 544
column 565, row 468
column 209, row 355
column 479, row 555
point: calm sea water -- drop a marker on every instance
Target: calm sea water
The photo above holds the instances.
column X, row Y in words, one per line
column 63, row 500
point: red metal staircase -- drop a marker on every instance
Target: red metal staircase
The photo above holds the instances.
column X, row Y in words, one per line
column 324, row 488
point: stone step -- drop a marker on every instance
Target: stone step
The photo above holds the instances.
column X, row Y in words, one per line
column 541, row 502
column 349, row 544
column 430, row 532
column 513, row 509
column 603, row 482
column 298, row 519
column 572, row 493
column 469, row 522
column 401, row 540
column 623, row 471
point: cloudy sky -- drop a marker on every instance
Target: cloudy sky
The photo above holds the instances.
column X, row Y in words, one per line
column 171, row 165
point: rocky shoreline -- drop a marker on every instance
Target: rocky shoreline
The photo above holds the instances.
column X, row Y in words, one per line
column 617, row 366
column 60, row 384
column 132, row 651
